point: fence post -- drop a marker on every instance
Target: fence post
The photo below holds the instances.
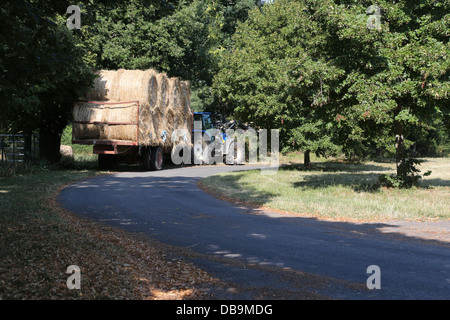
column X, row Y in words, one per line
column 14, row 149
column 27, row 148
column 2, row 147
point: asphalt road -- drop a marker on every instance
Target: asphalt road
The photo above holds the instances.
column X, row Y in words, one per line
column 264, row 254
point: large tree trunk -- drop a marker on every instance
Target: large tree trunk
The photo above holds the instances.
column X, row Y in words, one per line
column 49, row 144
column 306, row 158
column 50, row 141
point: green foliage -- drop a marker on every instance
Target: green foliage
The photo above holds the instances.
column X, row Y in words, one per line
column 184, row 40
column 43, row 69
column 408, row 175
column 315, row 70
column 433, row 140
column 277, row 76
column 311, row 68
column 45, row 66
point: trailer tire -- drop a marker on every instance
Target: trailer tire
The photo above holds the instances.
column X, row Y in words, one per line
column 153, row 159
column 105, row 161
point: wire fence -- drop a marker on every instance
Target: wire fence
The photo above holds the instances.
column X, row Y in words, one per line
column 18, row 148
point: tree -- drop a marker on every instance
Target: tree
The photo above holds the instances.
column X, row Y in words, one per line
column 397, row 74
column 184, row 40
column 46, row 66
column 43, row 71
column 325, row 67
column 277, row 76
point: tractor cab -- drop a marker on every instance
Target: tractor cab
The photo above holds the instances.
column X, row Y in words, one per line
column 205, row 118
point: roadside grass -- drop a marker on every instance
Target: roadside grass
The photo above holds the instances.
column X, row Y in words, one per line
column 334, row 189
column 39, row 241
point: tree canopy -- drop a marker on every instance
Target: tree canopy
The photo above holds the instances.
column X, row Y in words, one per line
column 184, row 40
column 348, row 76
column 321, row 73
column 43, row 71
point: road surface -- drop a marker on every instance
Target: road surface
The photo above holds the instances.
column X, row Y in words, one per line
column 266, row 254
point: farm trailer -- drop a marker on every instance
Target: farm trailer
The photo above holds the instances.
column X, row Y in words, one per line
column 131, row 114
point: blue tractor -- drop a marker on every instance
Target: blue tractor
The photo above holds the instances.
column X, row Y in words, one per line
column 214, row 142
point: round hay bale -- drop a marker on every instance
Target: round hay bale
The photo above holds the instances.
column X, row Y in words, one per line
column 124, row 112
column 185, row 96
column 150, row 94
column 163, row 106
column 174, row 94
column 66, row 151
column 86, row 131
column 102, row 89
column 120, row 132
column 87, row 111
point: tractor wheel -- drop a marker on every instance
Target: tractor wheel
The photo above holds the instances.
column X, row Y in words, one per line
column 236, row 153
column 198, row 152
column 153, row 159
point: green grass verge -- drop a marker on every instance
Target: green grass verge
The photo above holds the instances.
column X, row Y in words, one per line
column 339, row 190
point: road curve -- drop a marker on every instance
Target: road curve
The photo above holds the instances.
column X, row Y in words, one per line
column 265, row 254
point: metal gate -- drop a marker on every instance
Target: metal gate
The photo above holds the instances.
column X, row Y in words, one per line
column 13, row 149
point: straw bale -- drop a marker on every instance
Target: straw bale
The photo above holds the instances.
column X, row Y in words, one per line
column 119, row 132
column 185, row 95
column 102, row 89
column 87, row 111
column 86, row 131
column 123, row 112
column 163, row 106
column 95, row 112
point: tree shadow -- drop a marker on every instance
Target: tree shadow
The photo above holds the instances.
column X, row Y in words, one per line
column 331, row 166
column 435, row 182
column 361, row 177
column 359, row 182
column 237, row 190
column 264, row 244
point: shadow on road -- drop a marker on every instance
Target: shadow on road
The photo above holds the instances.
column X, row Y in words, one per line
column 170, row 208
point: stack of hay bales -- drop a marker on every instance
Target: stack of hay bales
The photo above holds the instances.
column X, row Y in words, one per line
column 164, row 106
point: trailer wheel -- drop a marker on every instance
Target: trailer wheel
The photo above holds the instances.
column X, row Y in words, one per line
column 153, row 158
column 105, row 161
